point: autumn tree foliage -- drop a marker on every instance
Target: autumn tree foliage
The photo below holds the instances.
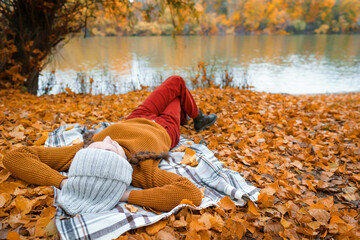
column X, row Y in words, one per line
column 30, row 31
column 214, row 17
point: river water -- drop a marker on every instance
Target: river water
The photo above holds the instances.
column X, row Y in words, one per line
column 294, row 64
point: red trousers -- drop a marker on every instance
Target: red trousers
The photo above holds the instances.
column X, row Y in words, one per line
column 168, row 105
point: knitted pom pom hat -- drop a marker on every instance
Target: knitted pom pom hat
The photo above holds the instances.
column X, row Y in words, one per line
column 97, row 180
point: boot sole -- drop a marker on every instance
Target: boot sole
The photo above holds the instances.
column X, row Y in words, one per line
column 207, row 125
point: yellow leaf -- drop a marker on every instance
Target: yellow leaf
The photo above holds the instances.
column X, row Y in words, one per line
column 131, row 208
column 265, row 200
column 217, row 223
column 327, row 202
column 165, row 234
column 314, row 225
column 180, row 223
column 356, row 177
column 220, row 211
column 40, row 226
column 23, row 204
column 16, row 218
column 68, row 90
column 156, row 227
column 336, row 219
column 188, row 202
column 189, row 157
column 49, row 117
column 50, row 229
column 76, row 141
column 180, row 148
column 252, row 208
column 286, row 224
column 13, row 236
column 226, row 203
column 4, row 199
column 320, row 215
column 311, row 187
column 4, row 175
column 42, row 139
column 271, row 188
column 48, row 212
column 10, row 187
column 69, row 128
column 151, row 210
column 297, row 164
column 205, row 221
column 17, row 135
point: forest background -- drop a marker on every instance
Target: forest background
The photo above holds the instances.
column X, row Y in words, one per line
column 219, row 17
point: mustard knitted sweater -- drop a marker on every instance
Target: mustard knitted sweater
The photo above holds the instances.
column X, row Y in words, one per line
column 162, row 190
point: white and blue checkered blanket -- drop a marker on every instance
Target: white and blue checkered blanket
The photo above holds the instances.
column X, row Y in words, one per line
column 209, row 173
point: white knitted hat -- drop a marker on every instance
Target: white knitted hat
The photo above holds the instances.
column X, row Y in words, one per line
column 97, row 180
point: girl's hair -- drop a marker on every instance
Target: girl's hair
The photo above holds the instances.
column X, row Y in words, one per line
column 88, row 139
column 141, row 156
column 134, row 159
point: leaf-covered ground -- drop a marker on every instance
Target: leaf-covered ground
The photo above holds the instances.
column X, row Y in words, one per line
column 302, row 151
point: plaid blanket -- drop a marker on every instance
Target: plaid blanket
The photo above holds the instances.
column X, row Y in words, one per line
column 209, row 173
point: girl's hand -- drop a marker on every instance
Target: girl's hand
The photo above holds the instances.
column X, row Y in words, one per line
column 62, row 183
column 125, row 196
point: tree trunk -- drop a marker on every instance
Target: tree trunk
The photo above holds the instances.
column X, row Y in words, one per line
column 35, row 27
column 32, row 83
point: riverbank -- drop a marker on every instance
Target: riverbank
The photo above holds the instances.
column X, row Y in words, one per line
column 302, row 150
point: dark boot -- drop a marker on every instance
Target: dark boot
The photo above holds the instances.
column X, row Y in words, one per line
column 202, row 121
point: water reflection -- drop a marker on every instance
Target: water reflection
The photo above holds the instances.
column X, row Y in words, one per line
column 290, row 64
